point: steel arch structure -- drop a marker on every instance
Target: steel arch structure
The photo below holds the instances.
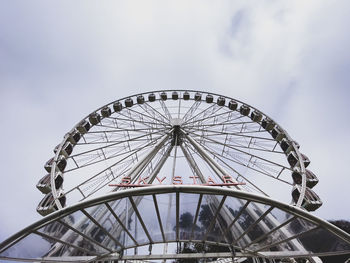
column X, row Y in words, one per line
column 210, row 169
column 289, row 227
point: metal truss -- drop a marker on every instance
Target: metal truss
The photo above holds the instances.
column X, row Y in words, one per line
column 139, row 216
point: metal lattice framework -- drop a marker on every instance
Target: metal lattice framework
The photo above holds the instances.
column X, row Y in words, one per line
column 136, row 224
column 178, row 146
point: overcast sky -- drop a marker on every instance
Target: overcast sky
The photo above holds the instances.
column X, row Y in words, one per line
column 60, row 60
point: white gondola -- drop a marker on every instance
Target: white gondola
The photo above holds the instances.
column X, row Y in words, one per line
column 94, row 118
column 60, row 164
column 44, row 185
column 186, row 95
column 209, row 98
column 256, row 116
column 48, row 165
column 74, row 137
column 311, row 201
column 277, row 133
column 311, row 179
column 244, row 110
column 163, row 96
column 67, row 149
column 267, row 124
column 232, row 105
column 221, row 101
column 197, row 96
column 292, row 159
column 129, row 102
column 106, row 112
column 140, row 99
column 56, row 148
column 83, row 127
column 117, row 106
column 47, row 205
column 174, row 95
column 151, row 97
column 287, row 146
column 306, row 160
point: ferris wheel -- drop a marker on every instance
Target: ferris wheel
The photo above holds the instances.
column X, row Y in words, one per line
column 177, row 174
column 177, row 137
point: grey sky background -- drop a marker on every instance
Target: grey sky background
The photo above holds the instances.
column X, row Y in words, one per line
column 60, row 60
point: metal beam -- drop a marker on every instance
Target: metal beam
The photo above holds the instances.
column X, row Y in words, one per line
column 102, row 228
column 121, row 223
column 158, row 216
column 184, row 256
column 253, row 225
column 140, row 219
column 213, row 221
column 211, row 162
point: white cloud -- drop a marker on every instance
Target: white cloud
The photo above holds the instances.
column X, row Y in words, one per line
column 58, row 62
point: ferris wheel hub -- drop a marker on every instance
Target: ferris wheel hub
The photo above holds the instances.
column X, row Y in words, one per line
column 177, row 133
column 176, row 122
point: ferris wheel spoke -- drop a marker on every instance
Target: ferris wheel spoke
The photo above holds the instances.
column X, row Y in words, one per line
column 100, row 173
column 179, row 109
column 262, row 149
column 98, row 158
column 211, row 116
column 220, row 159
column 233, row 133
column 117, row 122
column 193, row 108
column 108, row 138
column 127, row 124
column 103, row 156
column 128, row 120
column 200, row 155
column 148, row 116
column 144, row 137
column 116, row 130
column 251, row 144
column 91, row 159
column 155, row 114
column 242, row 131
column 251, row 156
column 244, row 164
column 151, row 170
column 231, row 143
column 146, row 104
column 104, row 181
column 252, row 161
column 222, row 125
column 191, row 161
column 165, row 109
column 253, row 166
column 225, row 124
